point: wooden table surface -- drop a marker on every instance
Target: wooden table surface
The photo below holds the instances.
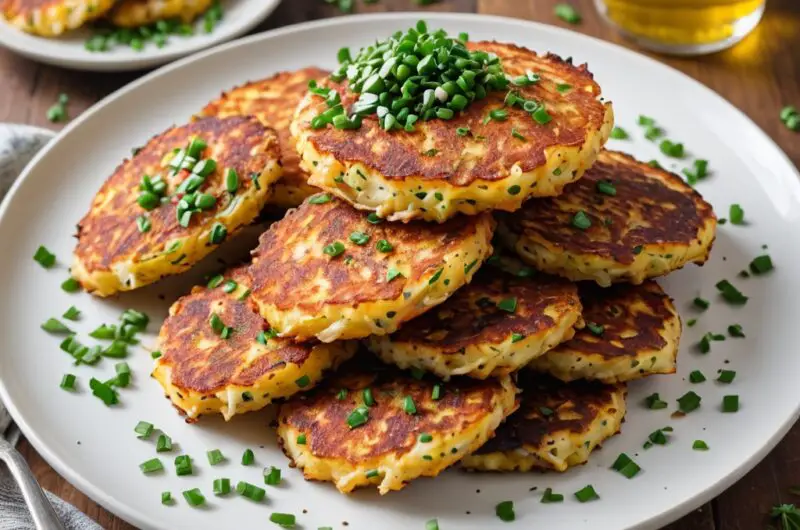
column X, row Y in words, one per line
column 759, row 76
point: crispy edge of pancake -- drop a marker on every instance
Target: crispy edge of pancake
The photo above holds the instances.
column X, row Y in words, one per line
column 54, row 17
column 561, row 448
column 482, row 359
column 356, row 181
column 394, row 472
column 655, row 259
column 569, row 363
column 135, row 13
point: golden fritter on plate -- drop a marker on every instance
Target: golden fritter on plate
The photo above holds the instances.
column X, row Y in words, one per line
column 632, row 331
column 329, row 271
column 556, row 427
column 623, row 221
column 470, row 163
column 376, row 425
column 218, row 356
column 51, row 18
column 174, row 202
column 135, row 13
column 273, row 101
column 491, row 327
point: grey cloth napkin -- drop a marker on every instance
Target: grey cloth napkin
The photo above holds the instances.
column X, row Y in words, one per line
column 18, row 145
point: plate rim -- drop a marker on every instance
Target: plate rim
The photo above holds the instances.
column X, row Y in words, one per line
column 120, row 509
column 93, row 62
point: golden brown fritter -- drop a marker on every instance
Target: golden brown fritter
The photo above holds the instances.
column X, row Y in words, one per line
column 273, row 101
column 203, row 372
column 435, row 173
column 114, row 253
column 50, row 18
column 135, row 13
column 557, row 425
column 491, row 327
column 377, row 425
column 645, row 222
column 326, row 271
column 632, row 331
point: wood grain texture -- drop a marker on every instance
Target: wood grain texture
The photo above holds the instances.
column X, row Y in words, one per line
column 759, row 76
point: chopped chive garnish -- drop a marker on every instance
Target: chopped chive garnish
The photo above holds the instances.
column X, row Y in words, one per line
column 425, row 438
column 468, row 267
column 626, row 466
column 735, row 330
column 384, row 246
column 508, row 304
column 701, row 303
column 143, row 430
column 151, row 466
column 671, row 149
column 273, row 478
column 68, row 382
column 222, row 486
column 163, row 443
column 586, row 494
column 408, row 405
column 215, row 457
column 730, row 403
column 301, row 439
column 392, row 273
column 286, row 520
column 516, row 134
column 435, row 277
column 691, row 322
column 341, row 394
column 595, row 329
column 248, row 457
column 731, row 294
column 194, row 497
column 70, row 285
column 514, row 190
column 618, row 133
column 44, row 257
column 548, row 497
column 432, row 524
column 230, row 286
column 436, row 393
column 689, row 402
column 372, row 473
column 563, row 87
column 567, row 13
column 303, row 381
column 581, row 221
column 462, row 131
column 700, row 445
column 697, row 377
column 606, row 187
column 53, row 325
column 761, row 265
column 334, row 249
column 231, row 180
column 516, row 337
column 103, row 391
column 374, row 219
column 369, row 400
column 251, row 491
column 215, row 281
column 218, row 234
column 726, row 376
column 166, row 497
column 505, row 511
column 183, row 465
column 358, row 417
column 123, row 372
column 72, row 313
column 736, row 214
column 320, row 199
column 359, row 238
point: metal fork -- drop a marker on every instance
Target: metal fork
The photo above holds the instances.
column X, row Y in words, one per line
column 44, row 517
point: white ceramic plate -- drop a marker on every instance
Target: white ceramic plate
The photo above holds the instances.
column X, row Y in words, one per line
column 68, row 51
column 95, row 446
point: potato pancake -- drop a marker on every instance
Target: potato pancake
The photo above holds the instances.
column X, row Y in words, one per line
column 632, row 331
column 205, row 369
column 376, row 425
column 51, row 18
column 273, row 101
column 623, row 221
column 556, row 427
column 135, row 13
column 491, row 327
column 470, row 163
column 329, row 271
column 174, row 202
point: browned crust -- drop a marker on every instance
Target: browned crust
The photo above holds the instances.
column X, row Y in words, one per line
column 390, row 430
column 15, row 8
column 284, row 281
column 207, row 370
column 651, row 207
column 109, row 233
column 471, row 315
column 273, row 101
column 574, row 406
column 400, row 154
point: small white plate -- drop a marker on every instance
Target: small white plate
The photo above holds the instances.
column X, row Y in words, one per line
column 68, row 51
column 95, row 447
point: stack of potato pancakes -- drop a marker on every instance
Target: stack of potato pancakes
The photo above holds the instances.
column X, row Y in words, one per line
column 464, row 276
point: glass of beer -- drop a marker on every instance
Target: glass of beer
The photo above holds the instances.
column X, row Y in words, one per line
column 683, row 27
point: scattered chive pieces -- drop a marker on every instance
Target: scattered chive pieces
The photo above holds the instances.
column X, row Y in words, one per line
column 301, row 439
column 606, row 188
column 735, row 330
column 436, row 393
column 372, row 473
column 70, row 285
column 408, row 405
column 303, row 381
column 251, row 491
column 736, row 215
column 68, row 382
column 697, row 377
column 618, row 133
column 163, row 443
column 691, row 322
column 215, row 457
column 374, row 219
column 384, row 246
column 567, row 13
column 689, row 402
column 334, row 249
column 151, row 466
column 549, row 497
column 701, row 303
column 44, row 257
column 595, row 329
column 72, row 313
column 183, row 465
column 505, row 511
column 730, row 403
column 516, row 337
column 53, row 325
column 581, row 221
column 248, row 457
column 273, row 478
column 586, row 494
column 462, row 131
column 654, row 402
column 392, row 273
column 425, row 438
column 726, row 376
column 358, row 417
column 103, row 392
column 359, row 238
column 761, row 265
column 432, row 524
column 626, row 466
column 658, row 437
column 468, row 267
column 215, row 281
column 369, row 400
column 194, row 497
column 563, row 87
column 320, row 199
column 166, row 497
column 546, row 411
column 435, row 277
column 143, row 430
column 514, row 190
column 286, row 520
column 222, row 486
column 230, row 286
column 731, row 294
column 123, row 372
column 342, row 394
column 508, row 304
column 671, row 149
column 700, row 445
column 516, row 134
